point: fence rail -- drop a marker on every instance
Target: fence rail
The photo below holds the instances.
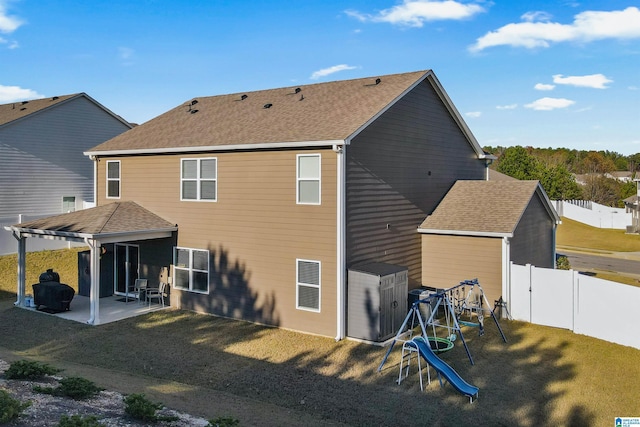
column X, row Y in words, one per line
column 567, row 299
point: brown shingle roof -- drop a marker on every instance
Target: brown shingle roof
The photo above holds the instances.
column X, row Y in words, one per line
column 318, row 112
column 17, row 110
column 113, row 218
column 481, row 207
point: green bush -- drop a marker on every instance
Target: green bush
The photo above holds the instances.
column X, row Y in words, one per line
column 141, row 408
column 78, row 421
column 29, row 370
column 224, row 422
column 562, row 263
column 73, row 387
column 10, row 408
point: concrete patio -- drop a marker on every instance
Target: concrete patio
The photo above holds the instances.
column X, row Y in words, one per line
column 112, row 309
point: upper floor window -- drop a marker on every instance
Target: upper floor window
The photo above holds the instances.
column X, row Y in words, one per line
column 113, row 179
column 191, row 270
column 68, row 204
column 308, row 179
column 199, row 179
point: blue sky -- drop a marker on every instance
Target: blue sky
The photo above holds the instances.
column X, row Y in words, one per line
column 545, row 73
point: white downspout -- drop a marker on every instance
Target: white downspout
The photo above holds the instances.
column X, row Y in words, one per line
column 506, row 272
column 94, row 294
column 340, row 241
column 95, row 180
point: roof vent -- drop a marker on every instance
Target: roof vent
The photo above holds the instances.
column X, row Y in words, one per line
column 54, row 98
column 378, row 81
column 194, row 102
column 298, row 90
column 243, row 97
column 23, row 108
column 193, row 111
column 268, row 105
column 24, row 102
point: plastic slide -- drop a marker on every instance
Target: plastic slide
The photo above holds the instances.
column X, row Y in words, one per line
column 444, row 369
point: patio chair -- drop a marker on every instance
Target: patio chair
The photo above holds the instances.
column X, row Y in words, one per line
column 157, row 293
column 140, row 288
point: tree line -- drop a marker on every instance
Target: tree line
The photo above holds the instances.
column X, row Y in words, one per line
column 556, row 169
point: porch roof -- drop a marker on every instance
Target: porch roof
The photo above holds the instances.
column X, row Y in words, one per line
column 113, row 222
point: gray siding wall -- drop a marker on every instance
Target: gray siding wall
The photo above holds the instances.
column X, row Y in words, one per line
column 41, row 157
column 398, row 170
column 532, row 242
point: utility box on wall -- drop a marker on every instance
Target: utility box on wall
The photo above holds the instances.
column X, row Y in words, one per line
column 376, row 300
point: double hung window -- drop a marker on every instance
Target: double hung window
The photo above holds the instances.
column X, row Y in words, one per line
column 308, row 285
column 308, row 179
column 199, row 179
column 113, row 179
column 191, row 270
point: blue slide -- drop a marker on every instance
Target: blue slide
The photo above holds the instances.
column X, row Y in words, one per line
column 444, row 369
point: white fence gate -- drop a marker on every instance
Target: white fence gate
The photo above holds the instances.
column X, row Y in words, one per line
column 566, row 299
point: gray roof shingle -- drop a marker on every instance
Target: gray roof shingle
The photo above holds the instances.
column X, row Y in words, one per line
column 17, row 110
column 112, row 218
column 329, row 111
column 482, row 207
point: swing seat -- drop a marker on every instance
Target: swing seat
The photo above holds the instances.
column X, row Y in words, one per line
column 470, row 324
column 440, row 345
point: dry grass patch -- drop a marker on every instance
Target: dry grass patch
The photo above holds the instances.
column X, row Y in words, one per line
column 542, row 376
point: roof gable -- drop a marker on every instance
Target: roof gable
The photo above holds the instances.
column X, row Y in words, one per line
column 14, row 111
column 484, row 208
column 308, row 115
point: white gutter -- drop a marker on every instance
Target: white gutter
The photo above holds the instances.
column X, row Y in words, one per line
column 258, row 146
column 340, row 151
column 465, row 233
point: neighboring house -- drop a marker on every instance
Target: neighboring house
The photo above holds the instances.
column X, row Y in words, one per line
column 482, row 226
column 622, row 176
column 264, row 200
column 632, row 205
column 42, row 167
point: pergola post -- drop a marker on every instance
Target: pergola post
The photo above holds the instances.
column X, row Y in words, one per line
column 94, row 294
column 22, row 261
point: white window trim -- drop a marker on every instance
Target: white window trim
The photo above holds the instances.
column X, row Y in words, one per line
column 318, row 286
column 190, row 269
column 63, row 204
column 119, row 179
column 198, row 180
column 318, row 179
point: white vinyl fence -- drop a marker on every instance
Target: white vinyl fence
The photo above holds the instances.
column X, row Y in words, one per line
column 593, row 214
column 566, row 299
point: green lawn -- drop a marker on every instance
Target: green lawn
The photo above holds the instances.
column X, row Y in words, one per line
column 573, row 234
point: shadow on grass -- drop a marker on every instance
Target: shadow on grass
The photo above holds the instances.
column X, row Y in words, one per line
column 521, row 382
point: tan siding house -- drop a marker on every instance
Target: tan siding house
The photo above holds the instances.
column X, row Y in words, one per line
column 273, row 195
column 480, row 227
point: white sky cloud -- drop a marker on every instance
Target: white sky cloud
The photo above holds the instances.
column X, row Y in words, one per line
column 414, row 13
column 536, row 16
column 331, row 70
column 8, row 23
column 595, row 81
column 507, row 107
column 543, row 86
column 16, row 93
column 547, row 104
column 587, row 26
column 473, row 114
